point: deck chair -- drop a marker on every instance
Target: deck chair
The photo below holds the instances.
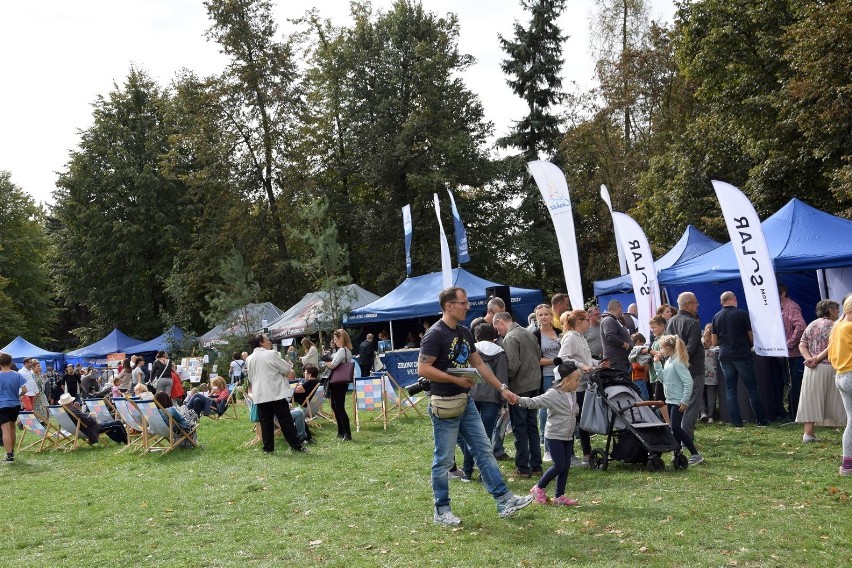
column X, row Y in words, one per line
column 313, row 406
column 163, row 435
column 398, row 398
column 48, row 436
column 370, row 395
column 99, row 408
column 137, row 434
column 256, row 428
column 231, row 409
column 70, row 426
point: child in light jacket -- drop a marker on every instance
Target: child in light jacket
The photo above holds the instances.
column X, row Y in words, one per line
column 561, row 404
column 677, row 385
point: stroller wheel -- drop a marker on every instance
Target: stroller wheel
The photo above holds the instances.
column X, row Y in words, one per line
column 597, row 460
column 655, row 463
column 680, row 461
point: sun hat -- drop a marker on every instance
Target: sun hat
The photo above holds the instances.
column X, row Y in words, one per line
column 66, row 399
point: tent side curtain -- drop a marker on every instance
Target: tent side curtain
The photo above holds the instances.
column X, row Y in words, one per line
column 417, row 297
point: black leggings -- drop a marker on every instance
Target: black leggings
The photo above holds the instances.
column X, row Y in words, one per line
column 337, row 395
column 680, row 434
column 585, row 437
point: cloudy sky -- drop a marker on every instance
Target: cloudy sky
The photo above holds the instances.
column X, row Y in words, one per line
column 59, row 55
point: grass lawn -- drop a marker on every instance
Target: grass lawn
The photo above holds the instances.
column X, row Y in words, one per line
column 761, row 499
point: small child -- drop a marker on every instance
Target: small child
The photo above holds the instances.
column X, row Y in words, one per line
column 561, row 404
column 655, row 386
column 677, row 383
column 116, row 392
column 710, row 381
column 639, row 359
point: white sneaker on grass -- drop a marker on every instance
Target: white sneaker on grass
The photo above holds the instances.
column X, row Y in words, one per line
column 695, row 459
column 512, row 505
column 547, row 457
column 446, row 519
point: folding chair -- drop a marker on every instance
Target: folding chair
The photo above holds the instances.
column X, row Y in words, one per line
column 99, row 408
column 370, row 395
column 256, row 439
column 167, row 432
column 137, row 434
column 398, row 397
column 69, row 425
column 231, row 409
column 49, row 436
column 313, row 406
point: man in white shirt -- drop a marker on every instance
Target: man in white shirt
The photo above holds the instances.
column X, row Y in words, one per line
column 267, row 376
column 26, row 371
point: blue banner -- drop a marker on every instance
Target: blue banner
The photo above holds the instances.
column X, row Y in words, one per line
column 407, row 229
column 461, row 234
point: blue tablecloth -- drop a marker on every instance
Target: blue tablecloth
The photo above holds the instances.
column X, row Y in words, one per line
column 402, row 365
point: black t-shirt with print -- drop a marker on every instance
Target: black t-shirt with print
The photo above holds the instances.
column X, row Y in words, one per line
column 451, row 348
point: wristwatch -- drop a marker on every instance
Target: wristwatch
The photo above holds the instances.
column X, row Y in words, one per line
column 503, row 387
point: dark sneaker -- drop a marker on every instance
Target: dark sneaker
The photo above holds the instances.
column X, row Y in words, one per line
column 521, row 474
column 9, row 458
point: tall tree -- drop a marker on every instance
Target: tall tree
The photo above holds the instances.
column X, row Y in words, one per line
column 261, row 96
column 120, row 220
column 26, row 306
column 534, row 66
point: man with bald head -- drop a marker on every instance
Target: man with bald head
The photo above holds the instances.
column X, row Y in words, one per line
column 686, row 326
column 731, row 331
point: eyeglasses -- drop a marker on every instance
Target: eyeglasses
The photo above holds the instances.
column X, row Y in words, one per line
column 466, row 302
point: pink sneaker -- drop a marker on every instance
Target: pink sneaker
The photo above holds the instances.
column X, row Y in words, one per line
column 563, row 500
column 540, row 495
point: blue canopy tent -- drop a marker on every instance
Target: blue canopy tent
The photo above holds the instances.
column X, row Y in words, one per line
column 417, row 297
column 114, row 342
column 801, row 240
column 165, row 342
column 692, row 243
column 21, row 349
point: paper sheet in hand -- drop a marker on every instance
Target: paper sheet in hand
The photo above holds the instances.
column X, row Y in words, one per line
column 467, row 372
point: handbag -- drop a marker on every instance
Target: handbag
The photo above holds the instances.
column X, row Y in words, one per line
column 343, row 373
column 594, row 416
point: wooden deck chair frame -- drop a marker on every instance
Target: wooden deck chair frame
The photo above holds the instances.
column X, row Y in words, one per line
column 163, row 431
column 231, row 410
column 99, row 408
column 401, row 398
column 383, row 410
column 49, row 436
column 313, row 408
column 256, row 440
column 124, row 410
column 69, row 425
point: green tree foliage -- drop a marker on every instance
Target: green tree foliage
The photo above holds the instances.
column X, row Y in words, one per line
column 401, row 125
column 533, row 65
column 119, row 220
column 26, row 306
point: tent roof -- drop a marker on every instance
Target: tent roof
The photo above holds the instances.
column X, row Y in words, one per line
column 691, row 244
column 21, row 349
column 418, row 297
column 161, row 343
column 301, row 318
column 255, row 313
column 800, row 237
column 114, row 342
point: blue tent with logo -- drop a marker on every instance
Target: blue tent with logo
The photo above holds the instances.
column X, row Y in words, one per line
column 692, row 243
column 21, row 349
column 114, row 342
column 166, row 342
column 417, row 297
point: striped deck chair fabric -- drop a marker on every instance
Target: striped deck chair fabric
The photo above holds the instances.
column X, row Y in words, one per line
column 169, row 435
column 137, row 434
column 47, row 436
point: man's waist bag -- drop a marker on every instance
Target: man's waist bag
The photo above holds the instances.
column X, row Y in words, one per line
column 448, row 406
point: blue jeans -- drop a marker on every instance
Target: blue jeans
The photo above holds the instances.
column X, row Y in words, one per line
column 499, row 433
column 446, row 432
column 744, row 370
column 488, row 413
column 547, row 382
column 299, row 421
column 525, row 429
column 643, row 389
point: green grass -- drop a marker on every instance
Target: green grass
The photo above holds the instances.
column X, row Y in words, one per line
column 761, row 499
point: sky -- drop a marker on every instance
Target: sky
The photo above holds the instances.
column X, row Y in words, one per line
column 59, row 55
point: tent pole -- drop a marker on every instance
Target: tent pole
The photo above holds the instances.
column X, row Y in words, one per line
column 391, row 334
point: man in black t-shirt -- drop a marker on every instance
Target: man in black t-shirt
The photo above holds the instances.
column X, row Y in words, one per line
column 306, row 387
column 731, row 331
column 449, row 344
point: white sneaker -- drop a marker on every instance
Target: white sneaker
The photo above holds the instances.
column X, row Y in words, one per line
column 514, row 504
column 695, row 459
column 576, row 462
column 810, row 439
column 447, row 519
column 547, row 457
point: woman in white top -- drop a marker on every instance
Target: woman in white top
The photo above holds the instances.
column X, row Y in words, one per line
column 575, row 348
column 236, row 369
column 548, row 341
column 311, row 356
column 337, row 393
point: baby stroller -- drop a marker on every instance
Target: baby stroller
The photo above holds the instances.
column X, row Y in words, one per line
column 634, row 433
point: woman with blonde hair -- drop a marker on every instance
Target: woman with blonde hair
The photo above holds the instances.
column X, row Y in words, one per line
column 840, row 355
column 337, row 393
column 677, row 384
column 311, row 356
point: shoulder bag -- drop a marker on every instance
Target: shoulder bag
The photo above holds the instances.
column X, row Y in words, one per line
column 343, row 373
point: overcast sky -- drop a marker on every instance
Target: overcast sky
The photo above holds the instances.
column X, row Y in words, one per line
column 59, row 55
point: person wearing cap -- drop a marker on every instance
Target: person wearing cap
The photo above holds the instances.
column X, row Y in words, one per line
column 11, row 388
column 562, row 410
column 89, row 425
